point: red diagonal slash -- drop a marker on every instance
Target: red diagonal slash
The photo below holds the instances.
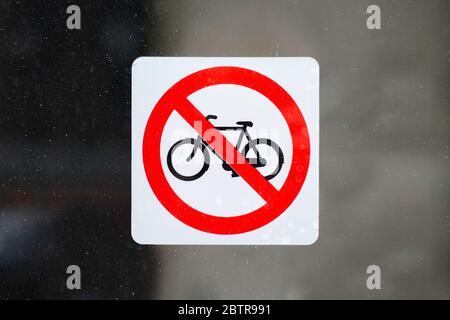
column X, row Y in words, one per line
column 222, row 147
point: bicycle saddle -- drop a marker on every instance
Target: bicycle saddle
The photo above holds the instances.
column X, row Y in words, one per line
column 245, row 123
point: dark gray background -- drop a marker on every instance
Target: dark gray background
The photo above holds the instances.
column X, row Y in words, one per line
column 65, row 149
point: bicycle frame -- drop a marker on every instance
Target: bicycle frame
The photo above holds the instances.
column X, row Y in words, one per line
column 244, row 133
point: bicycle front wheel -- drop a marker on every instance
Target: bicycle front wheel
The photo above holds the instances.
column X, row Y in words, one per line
column 185, row 162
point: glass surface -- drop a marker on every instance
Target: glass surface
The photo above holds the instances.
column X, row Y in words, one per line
column 65, row 149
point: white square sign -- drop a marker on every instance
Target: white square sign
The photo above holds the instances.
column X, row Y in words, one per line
column 225, row 151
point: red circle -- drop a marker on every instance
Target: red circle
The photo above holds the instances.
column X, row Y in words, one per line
column 273, row 208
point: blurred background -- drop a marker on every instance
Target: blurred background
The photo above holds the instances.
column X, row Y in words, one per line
column 65, row 149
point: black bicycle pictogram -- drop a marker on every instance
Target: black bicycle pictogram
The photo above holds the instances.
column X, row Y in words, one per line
column 252, row 145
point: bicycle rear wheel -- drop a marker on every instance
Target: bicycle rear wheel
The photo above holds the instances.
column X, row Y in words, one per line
column 253, row 145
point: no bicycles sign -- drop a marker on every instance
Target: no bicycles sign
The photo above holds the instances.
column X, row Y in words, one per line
column 225, row 150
